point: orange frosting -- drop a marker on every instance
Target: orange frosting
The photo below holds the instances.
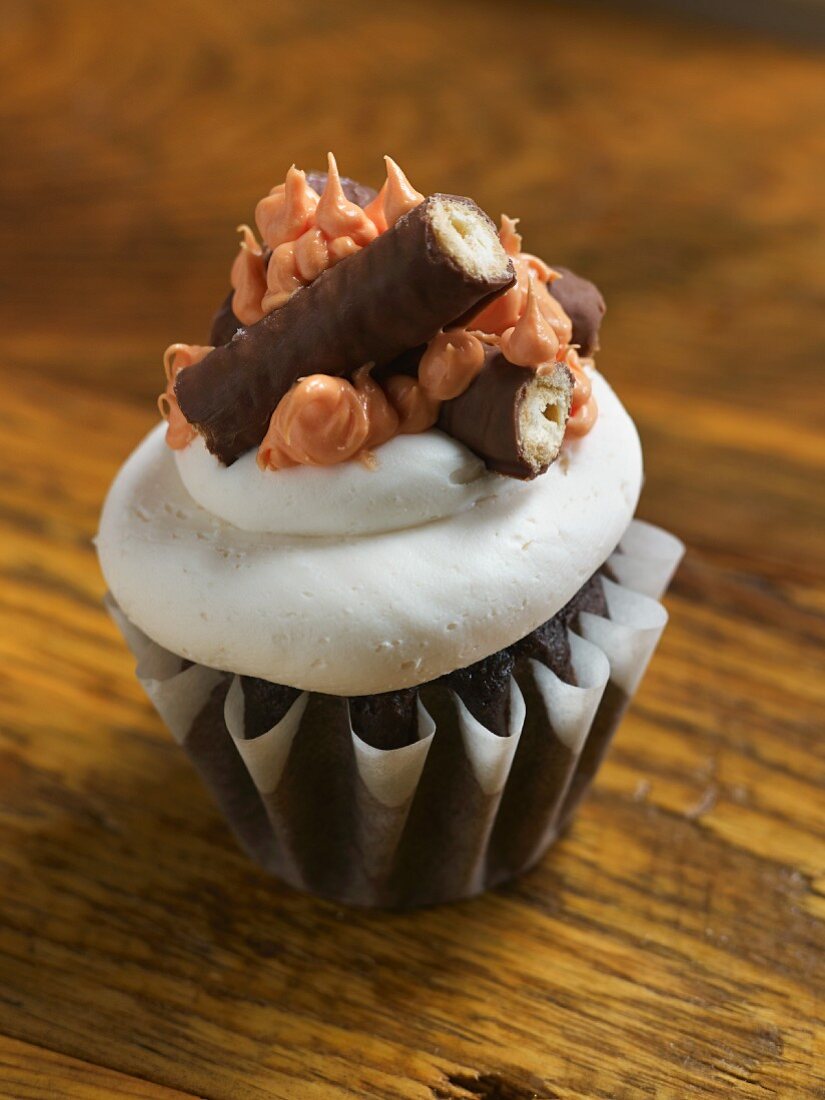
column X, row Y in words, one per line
column 381, row 415
column 532, row 342
column 584, row 410
column 337, row 216
column 340, row 248
column 416, row 410
column 511, row 243
column 324, row 420
column 450, row 363
column 287, row 210
column 553, row 311
column 179, row 432
column 509, row 235
column 395, row 199
column 536, row 266
column 308, row 234
column 504, row 312
column 248, row 279
column 582, row 387
column 319, row 422
column 282, row 278
column 311, row 255
column 582, row 419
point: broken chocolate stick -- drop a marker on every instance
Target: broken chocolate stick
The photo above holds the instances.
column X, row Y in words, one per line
column 437, row 263
column 583, row 303
column 512, row 417
column 224, row 324
column 359, row 193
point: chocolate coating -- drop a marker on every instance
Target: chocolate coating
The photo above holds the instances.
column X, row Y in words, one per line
column 356, row 192
column 486, row 417
column 406, row 363
column 224, row 324
column 393, row 295
column 583, row 303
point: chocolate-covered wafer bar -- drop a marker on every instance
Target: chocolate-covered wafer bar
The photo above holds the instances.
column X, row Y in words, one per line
column 359, row 193
column 583, row 303
column 512, row 417
column 224, row 324
column 433, row 266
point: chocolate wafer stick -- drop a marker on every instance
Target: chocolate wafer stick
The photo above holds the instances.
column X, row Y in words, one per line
column 224, row 324
column 512, row 417
column 434, row 265
column 583, row 303
column 360, row 193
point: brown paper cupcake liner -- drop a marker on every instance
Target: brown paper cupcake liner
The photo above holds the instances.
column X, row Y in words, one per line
column 453, row 813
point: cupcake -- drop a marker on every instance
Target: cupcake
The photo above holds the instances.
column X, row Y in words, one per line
column 378, row 563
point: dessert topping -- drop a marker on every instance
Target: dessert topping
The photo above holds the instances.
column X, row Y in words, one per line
column 425, row 294
column 435, row 264
column 513, row 418
column 451, row 361
column 179, row 432
column 248, row 279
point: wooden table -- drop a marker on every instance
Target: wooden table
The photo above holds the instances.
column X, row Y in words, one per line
column 672, row 944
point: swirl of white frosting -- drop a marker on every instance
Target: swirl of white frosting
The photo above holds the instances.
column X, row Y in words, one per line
column 407, row 574
column 416, row 479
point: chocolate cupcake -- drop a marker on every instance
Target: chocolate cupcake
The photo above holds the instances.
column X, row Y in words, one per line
column 379, row 567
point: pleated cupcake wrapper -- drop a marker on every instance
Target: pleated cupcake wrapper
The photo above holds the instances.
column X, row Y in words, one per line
column 448, row 816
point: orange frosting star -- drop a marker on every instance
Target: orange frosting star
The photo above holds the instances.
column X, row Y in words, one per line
column 509, row 236
column 248, row 279
column 582, row 419
column 584, row 410
column 381, row 416
column 340, row 248
column 282, row 278
column 336, row 216
column 321, row 421
column 396, row 198
column 531, row 342
column 450, row 363
column 311, row 255
column 416, row 410
column 179, row 432
column 287, row 211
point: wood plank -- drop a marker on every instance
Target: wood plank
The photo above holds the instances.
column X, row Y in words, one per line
column 32, row 1073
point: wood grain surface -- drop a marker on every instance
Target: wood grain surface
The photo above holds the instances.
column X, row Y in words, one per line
column 672, row 945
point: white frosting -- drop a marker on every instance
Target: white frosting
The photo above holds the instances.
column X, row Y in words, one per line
column 417, row 478
column 354, row 614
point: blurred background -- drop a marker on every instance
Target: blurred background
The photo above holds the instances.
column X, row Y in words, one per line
column 674, row 159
